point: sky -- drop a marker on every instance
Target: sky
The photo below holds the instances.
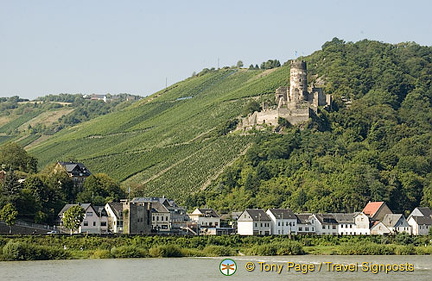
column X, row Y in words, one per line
column 140, row 46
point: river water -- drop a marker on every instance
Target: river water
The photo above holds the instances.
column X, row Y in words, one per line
column 298, row 268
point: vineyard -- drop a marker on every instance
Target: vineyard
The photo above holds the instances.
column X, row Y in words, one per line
column 167, row 144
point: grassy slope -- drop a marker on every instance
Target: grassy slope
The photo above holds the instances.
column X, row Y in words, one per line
column 162, row 144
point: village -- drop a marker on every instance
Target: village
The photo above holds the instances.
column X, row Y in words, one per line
column 160, row 215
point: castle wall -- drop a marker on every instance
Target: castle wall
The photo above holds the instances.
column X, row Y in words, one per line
column 295, row 103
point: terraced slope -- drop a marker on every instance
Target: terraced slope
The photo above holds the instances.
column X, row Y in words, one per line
column 166, row 144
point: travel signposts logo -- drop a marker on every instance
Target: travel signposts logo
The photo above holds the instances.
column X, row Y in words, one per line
column 228, row 267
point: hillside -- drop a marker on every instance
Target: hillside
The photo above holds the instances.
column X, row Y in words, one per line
column 375, row 144
column 167, row 144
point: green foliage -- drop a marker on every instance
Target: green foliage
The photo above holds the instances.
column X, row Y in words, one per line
column 166, row 251
column 218, row 251
column 100, row 189
column 22, row 251
column 270, row 64
column 14, row 157
column 276, row 249
column 73, row 217
column 8, row 214
column 251, row 107
column 129, row 252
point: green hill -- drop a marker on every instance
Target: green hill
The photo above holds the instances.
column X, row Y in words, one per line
column 374, row 145
column 168, row 144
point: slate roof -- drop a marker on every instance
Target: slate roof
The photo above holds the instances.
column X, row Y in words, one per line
column 157, row 207
column 303, row 218
column 282, row 213
column 326, row 219
column 420, row 220
column 344, row 217
column 117, row 208
column 391, row 219
column 75, row 169
column 258, row 215
column 426, row 211
column 66, row 207
column 208, row 212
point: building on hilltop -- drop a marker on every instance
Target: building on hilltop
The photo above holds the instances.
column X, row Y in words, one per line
column 295, row 103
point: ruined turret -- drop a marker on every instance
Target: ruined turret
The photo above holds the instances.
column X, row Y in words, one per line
column 298, row 90
column 295, row 103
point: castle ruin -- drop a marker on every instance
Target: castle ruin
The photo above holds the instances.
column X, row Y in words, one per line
column 295, row 103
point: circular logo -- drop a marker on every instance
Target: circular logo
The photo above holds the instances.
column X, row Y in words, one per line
column 228, row 267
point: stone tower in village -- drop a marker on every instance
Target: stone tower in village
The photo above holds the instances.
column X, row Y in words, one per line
column 295, row 103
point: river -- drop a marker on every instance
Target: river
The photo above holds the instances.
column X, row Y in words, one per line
column 298, row 268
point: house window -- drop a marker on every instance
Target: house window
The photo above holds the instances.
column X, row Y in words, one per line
column 306, row 228
column 94, row 223
column 89, row 214
column 166, row 218
column 103, row 223
column 278, row 223
column 85, row 223
column 162, row 218
column 334, row 227
column 256, row 224
column 300, row 228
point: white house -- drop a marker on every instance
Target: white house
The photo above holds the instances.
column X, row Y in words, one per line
column 379, row 228
column 283, row 221
column 396, row 223
column 161, row 217
column 254, row 222
column 362, row 224
column 420, row 225
column 95, row 218
column 346, row 223
column 304, row 225
column 114, row 212
column 205, row 217
column 420, row 220
column 421, row 211
column 325, row 224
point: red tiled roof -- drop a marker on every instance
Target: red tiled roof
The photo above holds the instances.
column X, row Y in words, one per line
column 371, row 208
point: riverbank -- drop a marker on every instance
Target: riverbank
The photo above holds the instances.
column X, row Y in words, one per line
column 51, row 247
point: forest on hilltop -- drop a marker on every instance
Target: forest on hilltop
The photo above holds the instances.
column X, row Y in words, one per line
column 375, row 145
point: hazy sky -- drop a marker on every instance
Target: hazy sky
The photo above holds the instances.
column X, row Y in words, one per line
column 135, row 46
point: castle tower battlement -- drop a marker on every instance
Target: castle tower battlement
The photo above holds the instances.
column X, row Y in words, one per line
column 298, row 90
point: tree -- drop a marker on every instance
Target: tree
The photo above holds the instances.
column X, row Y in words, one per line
column 14, row 157
column 73, row 217
column 251, row 107
column 100, row 189
column 239, row 64
column 8, row 214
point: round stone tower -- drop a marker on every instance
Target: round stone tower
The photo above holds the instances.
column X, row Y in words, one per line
column 298, row 82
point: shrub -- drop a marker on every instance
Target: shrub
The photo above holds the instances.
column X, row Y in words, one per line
column 101, row 254
column 128, row 252
column 23, row 251
column 276, row 248
column 166, row 251
column 218, row 251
